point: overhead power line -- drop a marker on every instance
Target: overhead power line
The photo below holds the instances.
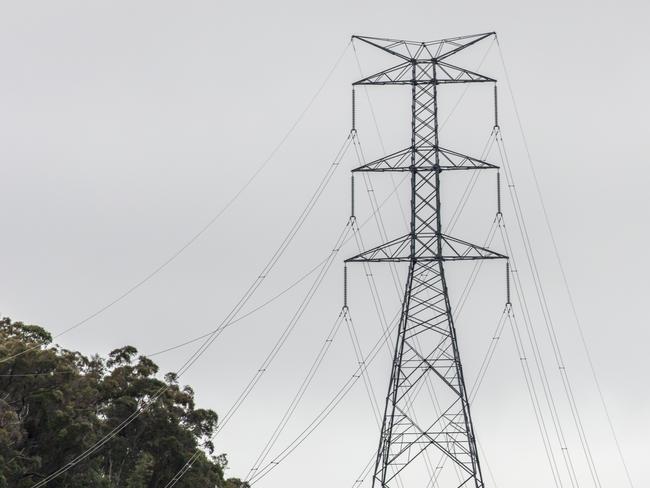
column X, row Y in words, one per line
column 208, row 341
column 565, row 280
column 207, row 226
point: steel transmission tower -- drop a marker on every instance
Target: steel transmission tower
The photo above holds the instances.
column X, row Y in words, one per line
column 436, row 430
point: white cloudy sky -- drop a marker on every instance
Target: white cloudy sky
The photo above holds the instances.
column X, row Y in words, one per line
column 126, row 126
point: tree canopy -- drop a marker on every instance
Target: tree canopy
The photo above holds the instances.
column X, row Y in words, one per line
column 56, row 403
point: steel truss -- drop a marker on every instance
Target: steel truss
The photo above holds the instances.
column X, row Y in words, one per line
column 426, row 352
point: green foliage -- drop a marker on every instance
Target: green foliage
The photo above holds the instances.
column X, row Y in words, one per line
column 56, row 403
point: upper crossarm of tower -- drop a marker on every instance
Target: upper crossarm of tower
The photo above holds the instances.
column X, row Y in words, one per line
column 424, row 51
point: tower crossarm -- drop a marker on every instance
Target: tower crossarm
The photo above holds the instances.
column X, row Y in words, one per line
column 422, row 73
column 429, row 158
column 424, row 50
column 451, row 249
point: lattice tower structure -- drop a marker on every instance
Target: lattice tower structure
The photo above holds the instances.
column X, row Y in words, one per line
column 437, row 428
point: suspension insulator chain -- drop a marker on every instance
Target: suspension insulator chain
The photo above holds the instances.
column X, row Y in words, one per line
column 508, row 302
column 499, row 214
column 345, row 287
column 496, row 107
column 354, row 111
column 352, row 198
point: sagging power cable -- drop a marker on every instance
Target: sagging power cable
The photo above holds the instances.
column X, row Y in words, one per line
column 245, row 315
column 327, row 410
column 145, row 404
column 249, row 387
column 312, row 270
column 210, row 222
column 549, row 326
column 311, row 373
column 285, row 334
column 541, row 370
column 563, row 274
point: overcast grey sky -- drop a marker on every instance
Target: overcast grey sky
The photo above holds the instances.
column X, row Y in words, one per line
column 126, row 126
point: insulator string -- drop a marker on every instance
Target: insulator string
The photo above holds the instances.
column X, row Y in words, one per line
column 496, row 107
column 354, row 110
column 345, row 287
column 499, row 194
column 352, row 197
column 508, row 302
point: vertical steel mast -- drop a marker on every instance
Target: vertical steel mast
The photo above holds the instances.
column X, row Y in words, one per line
column 434, row 429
